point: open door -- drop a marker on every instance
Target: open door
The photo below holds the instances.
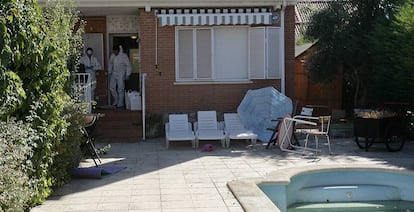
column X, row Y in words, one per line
column 130, row 46
column 96, row 42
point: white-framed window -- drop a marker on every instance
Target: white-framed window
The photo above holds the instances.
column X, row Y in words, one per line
column 221, row 54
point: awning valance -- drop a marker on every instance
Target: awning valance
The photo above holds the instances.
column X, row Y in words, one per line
column 195, row 17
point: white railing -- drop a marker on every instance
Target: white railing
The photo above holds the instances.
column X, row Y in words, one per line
column 82, row 89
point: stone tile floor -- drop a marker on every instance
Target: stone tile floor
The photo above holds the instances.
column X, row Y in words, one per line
column 183, row 179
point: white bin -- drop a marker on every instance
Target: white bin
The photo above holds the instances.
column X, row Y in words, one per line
column 133, row 100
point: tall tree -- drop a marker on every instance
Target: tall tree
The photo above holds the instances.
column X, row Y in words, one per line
column 342, row 31
column 393, row 70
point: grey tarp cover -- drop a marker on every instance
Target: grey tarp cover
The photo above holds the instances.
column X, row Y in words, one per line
column 259, row 107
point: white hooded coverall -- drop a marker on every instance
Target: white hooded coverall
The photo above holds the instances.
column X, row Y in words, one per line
column 119, row 70
column 91, row 65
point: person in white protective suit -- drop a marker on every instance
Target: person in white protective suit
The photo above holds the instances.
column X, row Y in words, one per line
column 119, row 71
column 91, row 65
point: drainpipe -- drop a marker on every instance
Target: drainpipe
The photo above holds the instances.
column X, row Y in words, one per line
column 156, row 42
column 282, row 38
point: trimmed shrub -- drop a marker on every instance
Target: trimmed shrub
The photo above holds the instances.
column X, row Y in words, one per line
column 68, row 153
column 37, row 48
column 16, row 146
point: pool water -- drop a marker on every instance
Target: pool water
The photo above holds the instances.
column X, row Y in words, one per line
column 372, row 206
column 343, row 190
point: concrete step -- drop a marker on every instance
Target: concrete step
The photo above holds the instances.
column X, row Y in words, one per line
column 118, row 126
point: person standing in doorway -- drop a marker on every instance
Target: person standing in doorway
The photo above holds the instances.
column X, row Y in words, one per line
column 91, row 65
column 119, row 71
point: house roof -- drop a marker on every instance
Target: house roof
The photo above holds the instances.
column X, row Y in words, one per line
column 302, row 48
column 304, row 10
column 128, row 7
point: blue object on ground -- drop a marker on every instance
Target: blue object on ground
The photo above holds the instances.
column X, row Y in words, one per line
column 259, row 107
column 96, row 172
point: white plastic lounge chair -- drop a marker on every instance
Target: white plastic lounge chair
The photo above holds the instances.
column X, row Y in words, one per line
column 179, row 129
column 207, row 127
column 234, row 129
column 285, row 136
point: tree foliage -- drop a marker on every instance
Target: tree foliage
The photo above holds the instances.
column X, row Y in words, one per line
column 37, row 48
column 17, row 188
column 393, row 70
column 343, row 32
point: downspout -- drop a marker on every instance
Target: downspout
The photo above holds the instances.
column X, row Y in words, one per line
column 156, row 42
column 282, row 38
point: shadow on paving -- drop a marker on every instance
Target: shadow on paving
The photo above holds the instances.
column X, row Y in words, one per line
column 150, row 158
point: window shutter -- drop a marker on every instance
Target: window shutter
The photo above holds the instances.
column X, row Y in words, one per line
column 185, row 54
column 257, row 53
column 231, row 53
column 204, row 56
column 273, row 53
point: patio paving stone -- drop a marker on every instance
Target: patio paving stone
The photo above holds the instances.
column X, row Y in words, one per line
column 182, row 179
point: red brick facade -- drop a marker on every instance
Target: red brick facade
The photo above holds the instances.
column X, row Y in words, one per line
column 290, row 50
column 163, row 96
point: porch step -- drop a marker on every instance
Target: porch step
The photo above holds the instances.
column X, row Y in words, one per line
column 118, row 125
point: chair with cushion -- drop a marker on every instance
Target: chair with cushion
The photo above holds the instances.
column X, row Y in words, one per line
column 207, row 127
column 322, row 130
column 178, row 128
column 234, row 129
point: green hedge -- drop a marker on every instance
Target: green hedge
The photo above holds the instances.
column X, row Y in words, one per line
column 16, row 145
column 37, row 49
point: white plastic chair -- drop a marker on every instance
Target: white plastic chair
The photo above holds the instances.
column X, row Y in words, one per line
column 179, row 129
column 207, row 127
column 234, row 129
column 323, row 130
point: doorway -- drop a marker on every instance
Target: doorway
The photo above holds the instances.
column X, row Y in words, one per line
column 130, row 46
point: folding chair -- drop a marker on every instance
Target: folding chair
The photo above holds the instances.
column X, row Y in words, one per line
column 285, row 136
column 323, row 130
column 273, row 137
column 88, row 146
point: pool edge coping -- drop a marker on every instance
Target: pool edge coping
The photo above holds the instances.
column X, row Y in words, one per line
column 252, row 198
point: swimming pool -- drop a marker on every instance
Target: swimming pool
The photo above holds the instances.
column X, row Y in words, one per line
column 324, row 188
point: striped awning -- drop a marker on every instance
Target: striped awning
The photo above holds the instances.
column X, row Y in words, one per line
column 195, row 17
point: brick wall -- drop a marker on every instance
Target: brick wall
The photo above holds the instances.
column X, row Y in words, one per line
column 165, row 97
column 290, row 50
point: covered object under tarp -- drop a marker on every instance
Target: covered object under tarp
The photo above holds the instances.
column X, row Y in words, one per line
column 259, row 107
